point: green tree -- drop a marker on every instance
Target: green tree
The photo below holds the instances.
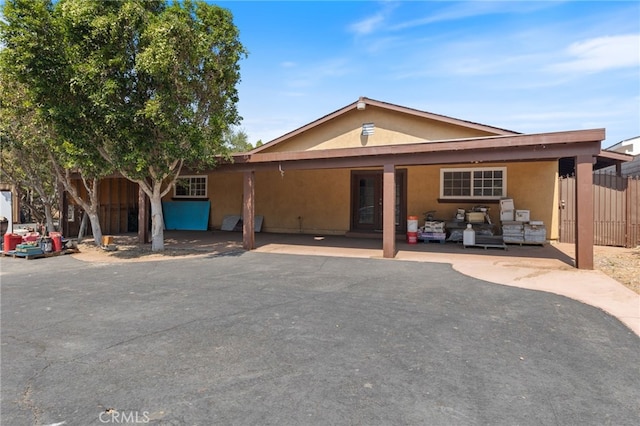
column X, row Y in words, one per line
column 150, row 87
column 237, row 141
column 37, row 58
column 25, row 162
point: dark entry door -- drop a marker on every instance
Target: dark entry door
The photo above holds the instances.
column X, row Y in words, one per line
column 366, row 204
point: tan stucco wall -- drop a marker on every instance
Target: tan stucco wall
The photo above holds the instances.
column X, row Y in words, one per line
column 532, row 185
column 308, row 201
column 319, row 201
column 225, row 192
column 391, row 128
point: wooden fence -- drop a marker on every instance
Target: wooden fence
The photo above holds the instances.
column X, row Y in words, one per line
column 616, row 210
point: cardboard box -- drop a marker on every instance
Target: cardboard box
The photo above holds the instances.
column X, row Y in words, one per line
column 440, row 236
column 507, row 215
column 475, row 217
column 433, row 226
column 522, row 215
column 506, row 204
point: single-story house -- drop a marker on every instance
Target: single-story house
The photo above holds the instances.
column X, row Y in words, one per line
column 366, row 167
column 369, row 165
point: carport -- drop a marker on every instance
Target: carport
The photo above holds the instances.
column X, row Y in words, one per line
column 582, row 145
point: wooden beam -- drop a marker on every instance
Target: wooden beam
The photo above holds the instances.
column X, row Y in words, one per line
column 541, row 142
column 389, row 211
column 248, row 211
column 584, row 212
column 476, row 156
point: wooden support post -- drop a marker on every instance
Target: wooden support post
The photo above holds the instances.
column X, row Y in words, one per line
column 143, row 217
column 248, row 211
column 629, row 236
column 584, row 212
column 389, row 211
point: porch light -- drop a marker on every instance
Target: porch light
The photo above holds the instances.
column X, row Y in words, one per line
column 367, row 129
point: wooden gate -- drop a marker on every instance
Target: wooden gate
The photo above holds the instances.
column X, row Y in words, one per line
column 616, row 210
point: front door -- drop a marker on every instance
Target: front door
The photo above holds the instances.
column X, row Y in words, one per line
column 366, row 204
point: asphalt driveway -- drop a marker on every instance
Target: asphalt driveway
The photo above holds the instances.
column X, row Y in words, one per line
column 255, row 338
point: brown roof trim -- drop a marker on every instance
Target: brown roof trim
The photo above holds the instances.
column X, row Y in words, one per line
column 574, row 136
column 615, row 156
column 542, row 146
column 387, row 106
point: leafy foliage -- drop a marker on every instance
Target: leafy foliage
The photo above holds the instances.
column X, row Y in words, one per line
column 135, row 85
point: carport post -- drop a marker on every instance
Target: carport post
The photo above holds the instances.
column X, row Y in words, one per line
column 584, row 212
column 389, row 211
column 248, row 211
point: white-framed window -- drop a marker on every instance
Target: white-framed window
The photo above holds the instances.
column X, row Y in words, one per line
column 473, row 183
column 190, row 187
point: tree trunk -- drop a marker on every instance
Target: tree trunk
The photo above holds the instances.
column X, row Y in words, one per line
column 157, row 222
column 95, row 227
column 49, row 217
column 83, row 226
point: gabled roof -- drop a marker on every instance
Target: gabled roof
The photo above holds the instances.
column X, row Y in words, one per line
column 363, row 102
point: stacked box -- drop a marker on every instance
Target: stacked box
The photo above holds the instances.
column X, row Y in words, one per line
column 522, row 215
column 507, row 216
column 432, row 236
column 475, row 217
column 507, row 204
column 512, row 232
column 507, row 210
column 535, row 234
column 433, row 226
column 28, row 249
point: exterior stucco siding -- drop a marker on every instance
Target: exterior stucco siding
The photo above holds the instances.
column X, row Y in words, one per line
column 309, row 201
column 391, row 128
column 532, row 185
column 319, row 201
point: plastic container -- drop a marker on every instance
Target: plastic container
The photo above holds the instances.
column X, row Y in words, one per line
column 412, row 237
column 469, row 236
column 412, row 224
column 11, row 241
column 56, row 238
column 46, row 245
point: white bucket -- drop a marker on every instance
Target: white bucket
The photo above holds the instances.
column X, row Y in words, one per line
column 412, row 223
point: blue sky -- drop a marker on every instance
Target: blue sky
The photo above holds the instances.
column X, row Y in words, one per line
column 525, row 66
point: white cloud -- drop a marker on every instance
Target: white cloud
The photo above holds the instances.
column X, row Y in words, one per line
column 367, row 25
column 471, row 9
column 601, row 54
column 374, row 22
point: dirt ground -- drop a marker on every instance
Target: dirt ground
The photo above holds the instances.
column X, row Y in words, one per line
column 619, row 263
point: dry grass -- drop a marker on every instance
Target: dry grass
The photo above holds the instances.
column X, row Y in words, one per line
column 623, row 265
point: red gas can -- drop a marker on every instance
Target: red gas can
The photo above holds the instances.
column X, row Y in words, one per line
column 11, row 241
